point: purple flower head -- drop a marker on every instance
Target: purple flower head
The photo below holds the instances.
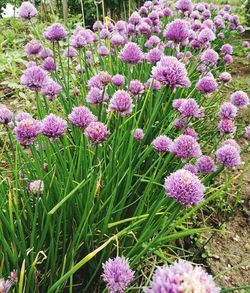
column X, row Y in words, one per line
column 228, row 111
column 225, row 77
column 182, row 277
column 210, row 57
column 138, row 134
column 118, row 80
column 205, row 164
column 136, row 88
column 80, row 69
column 21, row 116
column 5, row 115
column 131, row 53
column 228, row 155
column 227, row 49
column 31, row 64
column 105, row 78
column 184, row 6
column 184, row 187
column 248, row 57
column 155, row 84
column 117, row 40
column 50, row 88
column 5, row 285
column 135, row 18
column 189, row 107
column 103, row 51
column 226, row 126
column 121, row 103
column 240, row 99
column 36, row 187
column 104, row 34
column 245, row 44
column 185, row 147
column 95, row 96
column 191, row 168
column 95, row 81
column 206, row 35
column 152, row 42
column 97, row 26
column 167, row 12
column 180, row 122
column 154, row 55
column 81, row 38
column 34, row 78
column 177, row 31
column 27, row 10
column 55, row 32
column 177, row 103
column 206, row 85
column 162, row 144
column 44, row 53
column 247, row 132
column 97, row 132
column 190, row 131
column 81, row 116
column 49, row 64
column 231, row 142
column 170, row 71
column 33, row 47
column 120, row 26
column 53, row 126
column 70, row 52
column 27, row 130
column 117, row 274
column 14, row 277
column 228, row 58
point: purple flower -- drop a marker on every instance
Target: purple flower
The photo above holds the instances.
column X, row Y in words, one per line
column 97, row 26
column 131, row 53
column 181, row 277
column 210, row 56
column 205, row 164
column 228, row 155
column 36, row 187
column 50, row 88
column 228, row 58
column 154, row 55
column 95, row 81
column 34, row 78
column 190, row 131
column 44, row 53
column 191, row 168
column 180, row 122
column 206, row 35
column 81, row 38
column 117, row 274
column 162, row 144
column 97, row 132
column 225, row 77
column 33, row 47
column 206, row 85
column 22, row 115
column 118, row 80
column 27, row 10
column 247, row 132
column 170, row 71
column 27, row 130
column 117, row 40
column 5, row 285
column 103, row 51
column 177, row 31
column 70, row 52
column 55, row 32
column 121, row 103
column 184, row 187
column 135, row 18
column 189, row 107
column 49, row 64
column 53, row 126
column 136, row 88
column 231, row 142
column 81, row 116
column 245, row 44
column 5, row 115
column 185, row 147
column 177, row 103
column 138, row 134
column 226, row 126
column 240, row 99
column 184, row 6
column 155, row 84
column 227, row 49
column 104, row 78
column 96, row 96
column 228, row 110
